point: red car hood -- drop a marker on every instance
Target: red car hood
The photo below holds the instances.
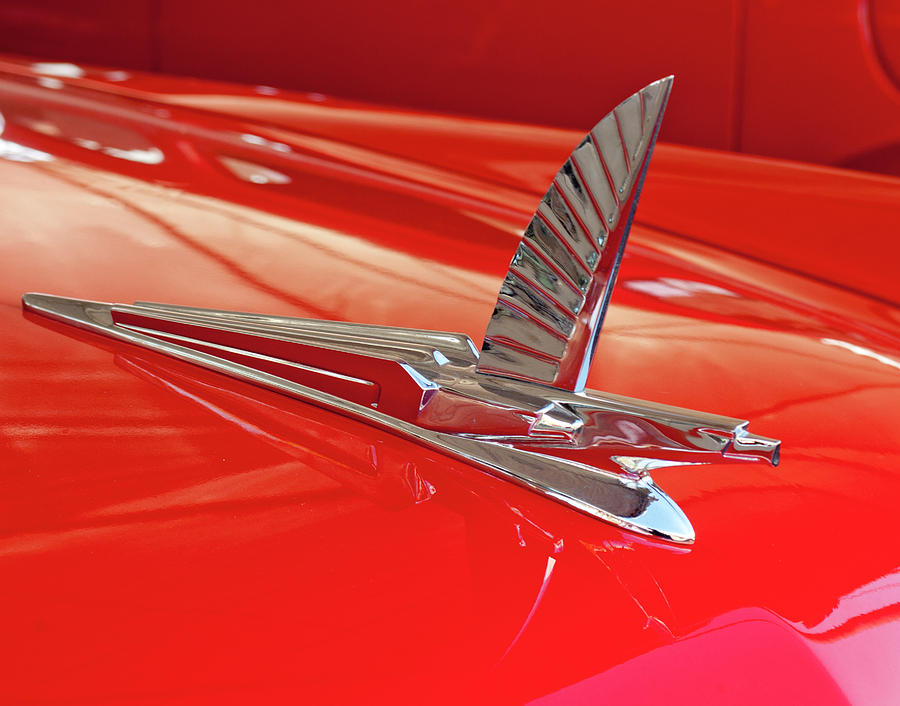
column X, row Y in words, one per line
column 173, row 536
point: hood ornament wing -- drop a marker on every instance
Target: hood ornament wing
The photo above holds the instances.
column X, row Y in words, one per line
column 518, row 409
column 551, row 304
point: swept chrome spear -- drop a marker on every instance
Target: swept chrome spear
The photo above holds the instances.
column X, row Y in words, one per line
column 518, row 409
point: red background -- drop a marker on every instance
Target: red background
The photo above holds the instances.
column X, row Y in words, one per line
column 813, row 80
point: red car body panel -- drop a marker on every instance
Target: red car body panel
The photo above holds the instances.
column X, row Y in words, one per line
column 170, row 535
column 812, row 80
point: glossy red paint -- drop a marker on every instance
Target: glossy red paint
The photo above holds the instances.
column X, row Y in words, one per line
column 884, row 19
column 466, row 56
column 814, row 80
column 816, row 86
column 97, row 31
column 172, row 536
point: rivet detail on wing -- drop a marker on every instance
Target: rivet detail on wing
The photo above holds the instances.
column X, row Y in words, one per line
column 553, row 299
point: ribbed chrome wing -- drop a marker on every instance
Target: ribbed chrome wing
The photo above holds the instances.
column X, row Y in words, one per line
column 551, row 304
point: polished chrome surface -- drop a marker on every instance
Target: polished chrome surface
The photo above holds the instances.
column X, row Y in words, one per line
column 551, row 304
column 518, row 408
column 424, row 385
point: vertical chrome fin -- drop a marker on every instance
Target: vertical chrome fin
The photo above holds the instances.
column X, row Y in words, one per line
column 551, row 305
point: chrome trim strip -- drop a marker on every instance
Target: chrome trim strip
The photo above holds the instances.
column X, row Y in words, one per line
column 530, row 267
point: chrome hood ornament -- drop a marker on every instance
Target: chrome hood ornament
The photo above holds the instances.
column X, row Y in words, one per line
column 517, row 409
